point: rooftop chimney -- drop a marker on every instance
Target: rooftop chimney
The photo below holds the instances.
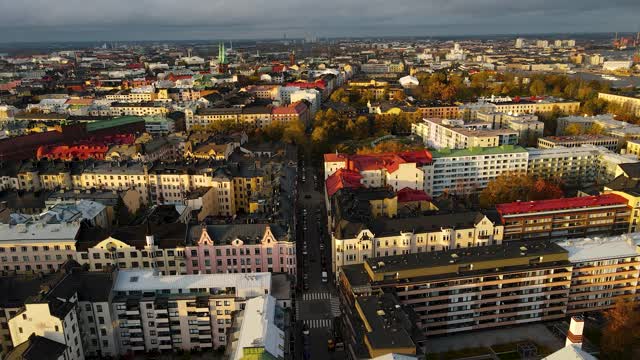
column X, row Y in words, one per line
column 574, row 335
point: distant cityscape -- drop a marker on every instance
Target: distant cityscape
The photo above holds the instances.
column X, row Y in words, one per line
column 321, row 198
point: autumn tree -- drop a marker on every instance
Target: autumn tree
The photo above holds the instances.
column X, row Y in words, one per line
column 510, row 187
column 573, row 130
column 389, row 146
column 621, row 335
column 537, row 88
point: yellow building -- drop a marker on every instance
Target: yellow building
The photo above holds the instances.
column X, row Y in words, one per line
column 631, row 104
column 633, row 147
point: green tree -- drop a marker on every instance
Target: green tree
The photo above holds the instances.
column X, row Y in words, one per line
column 510, row 187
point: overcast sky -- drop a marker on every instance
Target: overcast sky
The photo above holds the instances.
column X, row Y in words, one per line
column 68, row 20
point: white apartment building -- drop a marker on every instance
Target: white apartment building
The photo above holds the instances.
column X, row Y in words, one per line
column 470, row 170
column 353, row 243
column 285, row 92
column 313, row 96
column 574, row 166
column 259, row 327
column 605, row 270
column 188, row 312
column 458, row 134
column 159, row 125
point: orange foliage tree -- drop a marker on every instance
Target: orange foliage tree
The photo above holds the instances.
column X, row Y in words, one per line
column 621, row 335
column 510, row 187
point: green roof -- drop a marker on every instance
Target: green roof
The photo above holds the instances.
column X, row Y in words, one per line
column 476, row 151
column 105, row 124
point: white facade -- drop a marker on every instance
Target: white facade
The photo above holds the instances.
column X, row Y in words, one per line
column 470, row 170
column 313, row 96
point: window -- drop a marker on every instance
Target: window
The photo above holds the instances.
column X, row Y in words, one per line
column 100, row 320
column 99, row 308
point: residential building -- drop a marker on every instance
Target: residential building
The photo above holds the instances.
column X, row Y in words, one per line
column 181, row 312
column 631, row 104
column 627, row 185
column 633, row 148
column 605, row 270
column 608, row 142
column 355, row 241
column 159, row 125
column 469, row 289
column 576, row 166
column 14, row 291
column 37, row 246
column 259, row 330
column 470, row 170
column 518, row 105
column 397, row 170
column 458, row 134
column 73, row 311
column 240, row 248
column 568, row 218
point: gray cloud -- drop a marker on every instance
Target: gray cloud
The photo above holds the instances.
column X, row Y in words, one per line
column 33, row 20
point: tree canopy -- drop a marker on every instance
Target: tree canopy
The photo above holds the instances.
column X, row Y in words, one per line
column 510, row 187
column 621, row 335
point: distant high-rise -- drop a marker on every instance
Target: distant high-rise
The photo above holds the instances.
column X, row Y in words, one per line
column 519, row 43
column 222, row 59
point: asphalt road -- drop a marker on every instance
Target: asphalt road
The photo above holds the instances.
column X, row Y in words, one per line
column 316, row 303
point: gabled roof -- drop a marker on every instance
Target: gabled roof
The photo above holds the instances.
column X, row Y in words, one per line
column 343, row 178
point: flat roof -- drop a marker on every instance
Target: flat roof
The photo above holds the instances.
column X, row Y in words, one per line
column 39, row 231
column 478, row 151
column 246, row 285
column 600, row 248
column 524, row 207
column 258, row 328
column 511, row 249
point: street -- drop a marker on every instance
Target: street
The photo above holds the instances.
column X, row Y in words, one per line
column 317, row 303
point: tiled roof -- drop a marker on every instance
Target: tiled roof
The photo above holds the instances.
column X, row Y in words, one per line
column 408, row 195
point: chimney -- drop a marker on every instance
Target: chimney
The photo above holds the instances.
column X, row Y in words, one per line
column 574, row 335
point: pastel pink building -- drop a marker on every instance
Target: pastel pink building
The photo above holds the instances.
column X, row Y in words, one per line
column 240, row 248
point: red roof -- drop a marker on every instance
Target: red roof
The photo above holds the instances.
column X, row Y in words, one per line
column 294, row 109
column 320, row 84
column 341, row 179
column 409, row 195
column 523, row 207
column 389, row 161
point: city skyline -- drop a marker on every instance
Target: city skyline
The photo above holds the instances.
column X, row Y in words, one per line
column 70, row 20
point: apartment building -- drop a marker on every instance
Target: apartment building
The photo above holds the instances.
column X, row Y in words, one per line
column 550, row 142
column 626, row 185
column 576, row 166
column 14, row 291
column 353, row 242
column 138, row 109
column 568, row 218
column 240, row 248
column 458, row 134
column 37, row 246
column 260, row 116
column 259, row 330
column 470, row 289
column 376, row 326
column 397, row 170
column 438, row 112
column 72, row 310
column 527, row 125
column 532, row 105
column 132, row 97
column 182, row 312
column 630, row 103
column 146, row 246
column 465, row 171
column 605, row 270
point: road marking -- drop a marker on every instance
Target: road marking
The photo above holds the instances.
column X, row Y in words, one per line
column 316, row 296
column 335, row 307
column 318, row 323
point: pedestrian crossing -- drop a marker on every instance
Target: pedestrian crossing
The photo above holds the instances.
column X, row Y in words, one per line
column 316, row 296
column 335, row 307
column 317, row 324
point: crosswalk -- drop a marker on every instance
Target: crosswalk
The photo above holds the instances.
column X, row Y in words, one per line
column 335, row 307
column 317, row 324
column 316, row 296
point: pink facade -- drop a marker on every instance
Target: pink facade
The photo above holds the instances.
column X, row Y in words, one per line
column 238, row 252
